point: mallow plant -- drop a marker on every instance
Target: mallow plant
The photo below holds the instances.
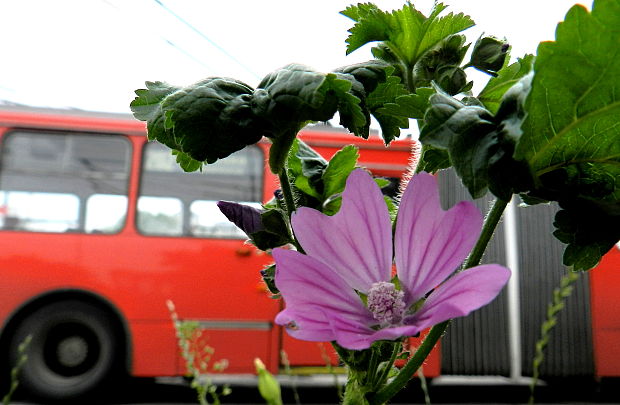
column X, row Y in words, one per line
column 366, row 272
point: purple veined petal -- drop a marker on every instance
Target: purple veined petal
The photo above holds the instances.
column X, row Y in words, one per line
column 430, row 243
column 357, row 241
column 350, row 334
column 246, row 218
column 461, row 294
column 355, row 336
column 307, row 323
column 396, row 332
column 306, row 282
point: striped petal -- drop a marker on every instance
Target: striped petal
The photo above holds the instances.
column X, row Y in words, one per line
column 461, row 294
column 313, row 293
column 355, row 336
column 357, row 241
column 430, row 243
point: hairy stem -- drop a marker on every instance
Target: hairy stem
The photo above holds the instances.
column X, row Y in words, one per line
column 287, row 191
column 289, row 200
column 405, row 374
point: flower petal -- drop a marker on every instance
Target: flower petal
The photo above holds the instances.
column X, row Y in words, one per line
column 461, row 294
column 355, row 336
column 430, row 243
column 307, row 323
column 357, row 241
column 305, row 282
column 351, row 335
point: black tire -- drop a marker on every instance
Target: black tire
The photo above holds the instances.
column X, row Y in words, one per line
column 74, row 350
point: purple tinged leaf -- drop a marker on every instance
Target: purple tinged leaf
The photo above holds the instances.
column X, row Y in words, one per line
column 247, row 218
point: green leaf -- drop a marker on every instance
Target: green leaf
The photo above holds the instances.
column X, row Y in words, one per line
column 275, row 233
column 480, row 146
column 392, row 106
column 588, row 232
column 269, row 276
column 294, row 95
column 571, row 136
column 448, row 117
column 407, row 32
column 372, row 25
column 364, row 78
column 433, row 159
column 206, row 121
column 306, row 169
column 350, row 97
column 384, row 96
column 186, row 162
column 147, row 107
column 369, row 73
column 507, row 77
column 338, row 170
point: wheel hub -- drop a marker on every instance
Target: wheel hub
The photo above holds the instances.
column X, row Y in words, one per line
column 72, row 351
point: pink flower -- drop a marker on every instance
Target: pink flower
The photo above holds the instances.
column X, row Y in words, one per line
column 349, row 256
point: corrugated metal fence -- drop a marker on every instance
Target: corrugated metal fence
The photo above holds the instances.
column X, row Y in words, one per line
column 479, row 344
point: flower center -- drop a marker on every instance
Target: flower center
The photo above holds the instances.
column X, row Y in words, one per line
column 386, row 303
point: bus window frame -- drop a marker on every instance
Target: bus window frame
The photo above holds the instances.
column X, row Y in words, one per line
column 82, row 197
column 186, row 210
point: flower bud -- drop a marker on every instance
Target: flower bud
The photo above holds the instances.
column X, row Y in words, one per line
column 268, row 386
column 489, row 54
column 247, row 218
column 453, row 80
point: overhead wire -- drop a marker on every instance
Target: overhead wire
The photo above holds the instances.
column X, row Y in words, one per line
column 168, row 41
column 205, row 37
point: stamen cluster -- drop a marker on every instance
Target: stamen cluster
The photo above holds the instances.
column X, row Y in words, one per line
column 386, row 303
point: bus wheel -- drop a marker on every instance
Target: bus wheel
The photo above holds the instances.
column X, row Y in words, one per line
column 74, row 350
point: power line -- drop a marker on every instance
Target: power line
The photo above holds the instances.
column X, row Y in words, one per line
column 197, row 31
column 166, row 40
column 186, row 53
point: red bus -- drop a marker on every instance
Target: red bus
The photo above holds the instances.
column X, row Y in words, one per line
column 99, row 229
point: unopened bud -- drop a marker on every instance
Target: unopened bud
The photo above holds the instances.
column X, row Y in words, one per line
column 268, row 386
column 489, row 54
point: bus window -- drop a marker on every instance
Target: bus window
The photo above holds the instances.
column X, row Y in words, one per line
column 105, row 213
column 160, row 216
column 63, row 182
column 173, row 202
column 42, row 212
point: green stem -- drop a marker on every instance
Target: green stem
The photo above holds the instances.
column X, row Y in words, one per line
column 490, row 223
column 386, row 371
column 372, row 370
column 403, row 377
column 409, row 78
column 289, row 200
column 287, row 191
column 405, row 374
